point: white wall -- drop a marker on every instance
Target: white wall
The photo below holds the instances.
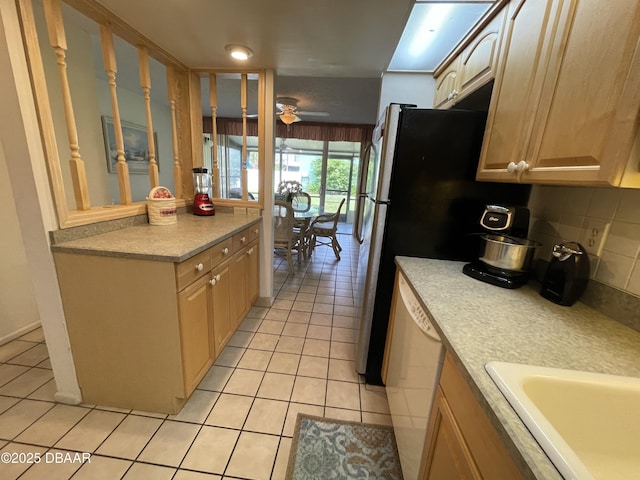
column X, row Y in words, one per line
column 569, row 213
column 18, row 311
column 416, row 88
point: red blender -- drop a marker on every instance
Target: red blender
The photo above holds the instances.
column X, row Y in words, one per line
column 203, row 191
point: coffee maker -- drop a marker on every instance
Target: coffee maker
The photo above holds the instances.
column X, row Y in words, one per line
column 203, row 191
column 507, row 227
column 567, row 275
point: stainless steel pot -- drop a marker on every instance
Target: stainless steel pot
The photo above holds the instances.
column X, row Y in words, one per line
column 508, row 253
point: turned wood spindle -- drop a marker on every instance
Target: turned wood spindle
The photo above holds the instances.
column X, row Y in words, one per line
column 145, row 83
column 172, row 91
column 215, row 168
column 58, row 41
column 243, row 106
column 109, row 60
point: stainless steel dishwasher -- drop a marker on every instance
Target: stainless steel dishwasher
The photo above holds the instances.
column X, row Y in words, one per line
column 415, row 357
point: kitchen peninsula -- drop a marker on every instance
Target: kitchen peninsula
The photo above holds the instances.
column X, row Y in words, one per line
column 149, row 308
column 479, row 323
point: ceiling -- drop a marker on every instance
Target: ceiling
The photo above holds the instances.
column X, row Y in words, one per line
column 328, row 54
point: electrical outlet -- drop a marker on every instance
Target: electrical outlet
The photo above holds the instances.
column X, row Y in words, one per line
column 594, row 235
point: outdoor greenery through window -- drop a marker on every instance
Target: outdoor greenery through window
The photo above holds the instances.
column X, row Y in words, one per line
column 230, row 164
column 327, row 170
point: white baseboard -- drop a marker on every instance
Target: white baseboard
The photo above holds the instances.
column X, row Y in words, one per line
column 18, row 333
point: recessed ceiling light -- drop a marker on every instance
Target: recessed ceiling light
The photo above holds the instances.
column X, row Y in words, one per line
column 239, row 52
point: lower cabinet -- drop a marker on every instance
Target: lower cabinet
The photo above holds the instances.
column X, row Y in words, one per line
column 461, row 443
column 244, row 281
column 196, row 331
column 143, row 332
column 220, row 305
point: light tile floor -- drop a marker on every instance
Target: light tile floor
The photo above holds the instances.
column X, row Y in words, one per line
column 297, row 356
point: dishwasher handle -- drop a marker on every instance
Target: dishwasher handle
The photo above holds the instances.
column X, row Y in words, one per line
column 415, row 310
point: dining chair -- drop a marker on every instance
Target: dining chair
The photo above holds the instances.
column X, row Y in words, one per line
column 325, row 227
column 301, row 202
column 285, row 236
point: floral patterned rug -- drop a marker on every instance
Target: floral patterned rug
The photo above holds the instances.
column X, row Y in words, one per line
column 328, row 449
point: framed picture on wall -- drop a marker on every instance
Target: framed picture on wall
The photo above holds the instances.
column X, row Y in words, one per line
column 136, row 146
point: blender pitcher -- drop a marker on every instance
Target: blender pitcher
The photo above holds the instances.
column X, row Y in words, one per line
column 202, row 187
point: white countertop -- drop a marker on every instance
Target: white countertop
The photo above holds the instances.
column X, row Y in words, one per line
column 479, row 323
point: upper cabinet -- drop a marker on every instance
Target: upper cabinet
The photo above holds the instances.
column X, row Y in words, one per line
column 565, row 102
column 472, row 68
column 447, row 86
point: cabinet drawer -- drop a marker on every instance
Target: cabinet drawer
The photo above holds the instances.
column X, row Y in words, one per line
column 221, row 251
column 192, row 269
column 241, row 239
column 254, row 233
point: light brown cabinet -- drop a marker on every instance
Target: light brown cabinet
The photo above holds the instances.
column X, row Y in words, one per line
column 196, row 331
column 223, row 327
column 474, row 67
column 461, row 443
column 565, row 106
column 144, row 333
column 447, row 86
column 244, row 274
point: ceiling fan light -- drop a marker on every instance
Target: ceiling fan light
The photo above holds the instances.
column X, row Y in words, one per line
column 239, row 52
column 288, row 118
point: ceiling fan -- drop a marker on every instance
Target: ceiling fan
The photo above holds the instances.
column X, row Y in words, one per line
column 289, row 112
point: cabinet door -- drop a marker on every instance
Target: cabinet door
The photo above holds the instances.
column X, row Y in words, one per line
column 479, row 60
column 446, row 454
column 196, row 332
column 590, row 99
column 517, row 89
column 253, row 273
column 238, row 285
column 446, row 85
column 220, row 305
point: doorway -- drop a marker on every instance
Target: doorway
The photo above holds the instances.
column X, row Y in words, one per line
column 327, row 170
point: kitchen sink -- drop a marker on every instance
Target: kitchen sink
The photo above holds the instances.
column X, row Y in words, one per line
column 587, row 423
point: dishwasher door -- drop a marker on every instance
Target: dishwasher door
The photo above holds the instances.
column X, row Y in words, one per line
column 414, row 364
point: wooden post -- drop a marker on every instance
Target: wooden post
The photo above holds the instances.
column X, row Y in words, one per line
column 243, row 105
column 145, row 83
column 173, row 98
column 109, row 60
column 58, row 41
column 215, row 168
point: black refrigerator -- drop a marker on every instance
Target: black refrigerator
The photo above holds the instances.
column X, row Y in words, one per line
column 419, row 198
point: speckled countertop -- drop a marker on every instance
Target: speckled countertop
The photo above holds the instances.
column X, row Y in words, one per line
column 171, row 243
column 479, row 322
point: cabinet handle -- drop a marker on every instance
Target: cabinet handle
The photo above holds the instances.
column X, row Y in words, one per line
column 256, row 231
column 199, row 267
column 454, row 94
column 225, row 251
column 250, row 251
column 243, row 239
column 512, row 167
column 212, row 282
column 522, row 166
column 217, row 277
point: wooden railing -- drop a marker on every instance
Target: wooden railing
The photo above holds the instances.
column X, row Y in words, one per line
column 184, row 106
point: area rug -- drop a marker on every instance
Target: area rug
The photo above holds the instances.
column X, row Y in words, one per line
column 328, row 449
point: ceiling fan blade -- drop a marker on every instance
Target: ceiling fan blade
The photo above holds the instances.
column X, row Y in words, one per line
column 313, row 114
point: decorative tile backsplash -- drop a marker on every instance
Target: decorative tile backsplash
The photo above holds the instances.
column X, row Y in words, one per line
column 572, row 213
